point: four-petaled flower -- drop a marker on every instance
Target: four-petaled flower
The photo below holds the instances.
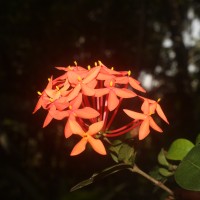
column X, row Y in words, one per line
column 113, row 92
column 87, row 136
column 148, row 108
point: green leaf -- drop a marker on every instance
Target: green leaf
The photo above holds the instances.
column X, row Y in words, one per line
column 126, row 154
column 97, row 176
column 114, row 149
column 162, row 158
column 122, row 151
column 197, row 139
column 165, row 172
column 179, row 149
column 187, row 174
column 114, row 156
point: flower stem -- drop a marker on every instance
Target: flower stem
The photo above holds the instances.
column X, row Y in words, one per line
column 136, row 169
column 114, row 114
column 105, row 113
column 122, row 132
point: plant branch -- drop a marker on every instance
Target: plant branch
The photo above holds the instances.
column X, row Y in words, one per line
column 136, row 169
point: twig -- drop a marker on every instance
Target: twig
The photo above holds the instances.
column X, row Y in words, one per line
column 136, row 169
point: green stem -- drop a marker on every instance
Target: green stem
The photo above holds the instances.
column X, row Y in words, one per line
column 136, row 169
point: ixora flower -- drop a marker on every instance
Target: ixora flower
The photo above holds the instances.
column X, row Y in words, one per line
column 87, row 136
column 91, row 99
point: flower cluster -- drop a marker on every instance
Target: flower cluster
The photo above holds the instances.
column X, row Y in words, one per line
column 90, row 98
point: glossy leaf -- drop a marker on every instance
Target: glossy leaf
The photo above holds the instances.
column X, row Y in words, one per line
column 179, row 149
column 165, row 172
column 162, row 158
column 187, row 174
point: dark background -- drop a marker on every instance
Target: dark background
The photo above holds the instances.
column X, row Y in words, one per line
column 37, row 35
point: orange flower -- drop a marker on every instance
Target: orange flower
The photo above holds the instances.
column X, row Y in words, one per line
column 44, row 99
column 78, row 69
column 106, row 73
column 148, row 121
column 154, row 106
column 78, row 95
column 82, row 84
column 134, row 83
column 93, row 129
column 73, row 112
column 113, row 92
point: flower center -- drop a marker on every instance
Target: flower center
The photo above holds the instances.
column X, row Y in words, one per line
column 79, row 78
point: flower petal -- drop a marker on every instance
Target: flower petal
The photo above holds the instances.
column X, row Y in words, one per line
column 74, row 92
column 144, row 129
column 73, row 77
column 45, row 102
column 86, row 113
column 154, row 125
column 135, row 84
column 91, row 74
column 109, row 83
column 62, row 68
column 38, row 105
column 49, row 85
column 95, row 128
column 79, row 147
column 100, row 92
column 152, row 107
column 92, row 84
column 134, row 115
column 68, row 131
column 51, row 93
column 103, row 76
column 49, row 117
column 42, row 100
column 76, row 128
column 113, row 101
column 61, row 78
column 161, row 113
column 76, row 103
column 145, row 107
column 59, row 115
column 122, row 80
column 61, row 103
column 47, row 120
column 105, row 70
column 87, row 90
column 124, row 93
column 97, row 145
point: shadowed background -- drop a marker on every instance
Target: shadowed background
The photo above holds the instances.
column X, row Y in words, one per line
column 158, row 40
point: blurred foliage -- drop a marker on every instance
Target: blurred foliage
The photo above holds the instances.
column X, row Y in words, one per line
column 37, row 35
